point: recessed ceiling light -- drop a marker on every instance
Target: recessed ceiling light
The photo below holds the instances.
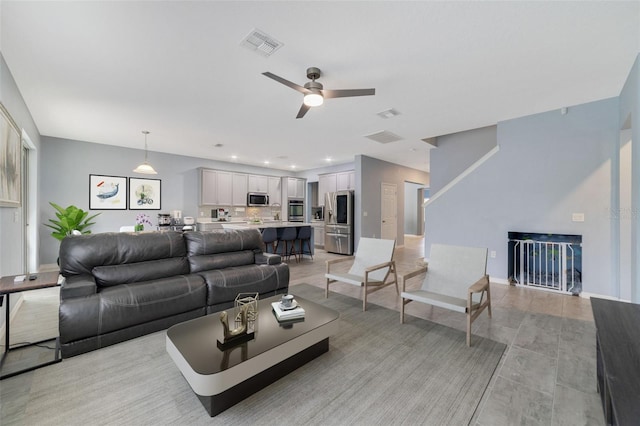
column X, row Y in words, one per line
column 266, row 162
column 234, row 157
column 328, row 159
column 293, row 166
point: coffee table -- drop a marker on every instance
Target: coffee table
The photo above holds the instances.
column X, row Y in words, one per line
column 221, row 379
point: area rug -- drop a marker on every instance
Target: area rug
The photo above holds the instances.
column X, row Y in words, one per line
column 377, row 371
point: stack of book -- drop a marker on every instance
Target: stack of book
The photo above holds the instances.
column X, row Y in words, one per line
column 283, row 314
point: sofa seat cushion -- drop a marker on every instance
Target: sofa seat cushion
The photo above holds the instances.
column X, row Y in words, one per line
column 126, row 305
column 225, row 284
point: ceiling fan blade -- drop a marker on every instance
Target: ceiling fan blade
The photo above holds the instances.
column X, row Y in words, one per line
column 347, row 93
column 286, row 82
column 303, row 110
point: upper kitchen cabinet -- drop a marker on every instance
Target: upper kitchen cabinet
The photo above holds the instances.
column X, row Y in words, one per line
column 239, row 193
column 274, row 189
column 215, row 187
column 326, row 183
column 346, row 181
column 295, row 187
column 258, row 183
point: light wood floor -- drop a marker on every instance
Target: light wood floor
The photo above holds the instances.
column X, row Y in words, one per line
column 546, row 375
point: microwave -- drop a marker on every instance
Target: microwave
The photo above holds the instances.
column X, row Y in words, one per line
column 257, row 199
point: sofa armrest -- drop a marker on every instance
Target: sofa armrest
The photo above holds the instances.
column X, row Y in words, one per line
column 78, row 286
column 268, row 259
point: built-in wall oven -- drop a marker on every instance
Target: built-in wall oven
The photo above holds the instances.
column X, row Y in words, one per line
column 295, row 211
column 338, row 222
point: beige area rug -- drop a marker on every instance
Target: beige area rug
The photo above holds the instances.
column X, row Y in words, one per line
column 377, row 371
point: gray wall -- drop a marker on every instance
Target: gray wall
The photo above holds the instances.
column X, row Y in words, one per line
column 11, row 257
column 411, row 206
column 548, row 167
column 456, row 152
column 630, row 118
column 370, row 174
column 65, row 181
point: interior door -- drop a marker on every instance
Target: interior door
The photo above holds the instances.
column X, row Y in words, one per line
column 389, row 212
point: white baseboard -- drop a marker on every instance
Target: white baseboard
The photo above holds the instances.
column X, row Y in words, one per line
column 602, row 296
column 12, row 314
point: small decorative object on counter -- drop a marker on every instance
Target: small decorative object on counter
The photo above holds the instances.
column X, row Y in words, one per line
column 141, row 220
column 240, row 334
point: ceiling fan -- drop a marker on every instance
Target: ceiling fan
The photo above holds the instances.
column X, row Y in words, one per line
column 314, row 94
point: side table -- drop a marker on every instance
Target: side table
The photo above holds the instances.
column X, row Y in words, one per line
column 9, row 286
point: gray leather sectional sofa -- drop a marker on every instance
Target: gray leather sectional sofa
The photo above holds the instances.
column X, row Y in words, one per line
column 119, row 286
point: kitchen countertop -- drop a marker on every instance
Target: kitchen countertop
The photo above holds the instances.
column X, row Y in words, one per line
column 238, row 224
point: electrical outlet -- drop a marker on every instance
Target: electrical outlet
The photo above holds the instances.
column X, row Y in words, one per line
column 493, row 254
column 365, row 214
column 577, row 217
column 374, row 235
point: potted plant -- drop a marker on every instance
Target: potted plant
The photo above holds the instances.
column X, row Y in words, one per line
column 71, row 221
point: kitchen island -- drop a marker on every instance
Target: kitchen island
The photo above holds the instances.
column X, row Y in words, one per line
column 280, row 225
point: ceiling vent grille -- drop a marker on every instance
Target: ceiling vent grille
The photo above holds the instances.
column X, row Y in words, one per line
column 384, row 137
column 261, row 42
column 388, row 113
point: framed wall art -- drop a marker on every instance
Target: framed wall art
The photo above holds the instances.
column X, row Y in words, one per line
column 144, row 194
column 10, row 161
column 107, row 192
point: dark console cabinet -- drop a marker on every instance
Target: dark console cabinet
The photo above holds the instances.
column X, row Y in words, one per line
column 618, row 358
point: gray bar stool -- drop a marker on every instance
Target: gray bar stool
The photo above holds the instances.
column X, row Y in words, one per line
column 289, row 235
column 304, row 236
column 269, row 238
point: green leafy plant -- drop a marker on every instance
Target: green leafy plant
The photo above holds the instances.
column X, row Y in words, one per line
column 70, row 219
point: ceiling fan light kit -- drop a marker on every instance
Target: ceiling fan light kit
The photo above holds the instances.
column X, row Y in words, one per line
column 145, row 168
column 314, row 92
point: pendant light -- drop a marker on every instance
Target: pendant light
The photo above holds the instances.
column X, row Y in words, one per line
column 145, row 168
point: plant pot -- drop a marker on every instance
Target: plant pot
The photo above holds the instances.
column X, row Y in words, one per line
column 139, row 227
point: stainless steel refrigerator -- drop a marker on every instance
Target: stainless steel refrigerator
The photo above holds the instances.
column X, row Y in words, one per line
column 338, row 222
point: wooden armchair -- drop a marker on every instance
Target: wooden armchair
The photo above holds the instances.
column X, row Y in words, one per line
column 372, row 265
column 455, row 279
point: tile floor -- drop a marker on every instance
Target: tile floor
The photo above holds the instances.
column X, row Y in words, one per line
column 546, row 375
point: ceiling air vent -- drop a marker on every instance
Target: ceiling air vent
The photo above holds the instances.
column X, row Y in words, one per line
column 261, row 42
column 384, row 137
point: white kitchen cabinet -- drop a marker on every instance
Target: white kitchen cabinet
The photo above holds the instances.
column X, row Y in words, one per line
column 208, row 187
column 326, row 183
column 318, row 235
column 239, row 189
column 215, row 188
column 225, row 188
column 295, row 187
column 274, row 188
column 346, row 181
column 258, row 183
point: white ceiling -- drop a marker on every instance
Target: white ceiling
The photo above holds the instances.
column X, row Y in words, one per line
column 103, row 71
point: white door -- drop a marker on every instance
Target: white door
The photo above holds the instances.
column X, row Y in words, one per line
column 389, row 212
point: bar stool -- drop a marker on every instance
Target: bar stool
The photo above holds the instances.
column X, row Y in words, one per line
column 269, row 238
column 289, row 235
column 304, row 236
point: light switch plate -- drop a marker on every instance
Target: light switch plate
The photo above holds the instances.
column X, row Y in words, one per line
column 577, row 217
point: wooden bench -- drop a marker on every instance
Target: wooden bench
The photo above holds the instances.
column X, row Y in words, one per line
column 455, row 279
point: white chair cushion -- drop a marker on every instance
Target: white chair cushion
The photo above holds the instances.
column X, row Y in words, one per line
column 372, row 251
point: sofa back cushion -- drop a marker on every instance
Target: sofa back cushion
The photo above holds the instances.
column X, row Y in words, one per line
column 140, row 271
column 222, row 248
column 81, row 254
